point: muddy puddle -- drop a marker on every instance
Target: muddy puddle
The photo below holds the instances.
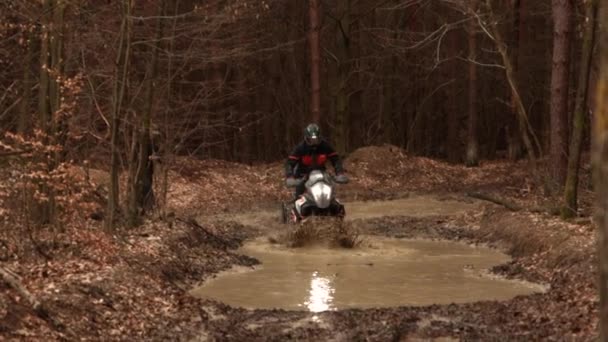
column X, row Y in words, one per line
column 417, row 206
column 382, row 273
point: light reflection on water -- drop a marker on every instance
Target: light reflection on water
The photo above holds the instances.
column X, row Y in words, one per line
column 321, row 294
column 386, row 273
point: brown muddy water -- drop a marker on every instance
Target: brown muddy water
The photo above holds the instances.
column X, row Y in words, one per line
column 383, row 272
column 416, row 206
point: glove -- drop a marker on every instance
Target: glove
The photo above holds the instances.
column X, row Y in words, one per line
column 291, row 182
column 341, row 179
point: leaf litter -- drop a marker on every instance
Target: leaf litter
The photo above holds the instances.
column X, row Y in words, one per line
column 133, row 285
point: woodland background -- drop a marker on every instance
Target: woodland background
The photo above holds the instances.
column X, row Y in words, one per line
column 126, row 83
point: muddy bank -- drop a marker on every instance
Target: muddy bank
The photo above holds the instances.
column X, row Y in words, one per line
column 127, row 288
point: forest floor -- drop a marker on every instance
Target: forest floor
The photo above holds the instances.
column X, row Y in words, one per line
column 134, row 285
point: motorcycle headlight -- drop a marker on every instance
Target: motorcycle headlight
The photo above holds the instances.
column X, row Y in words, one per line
column 320, row 190
column 316, row 191
column 321, row 194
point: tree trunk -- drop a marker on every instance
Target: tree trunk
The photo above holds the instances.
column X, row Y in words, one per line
column 526, row 132
column 43, row 88
column 166, row 149
column 472, row 157
column 315, row 60
column 600, row 155
column 562, row 28
column 58, row 119
column 272, row 122
column 246, row 132
column 513, row 129
column 576, row 144
column 49, row 93
column 141, row 197
column 119, row 91
column 387, row 124
column 55, row 129
column 24, row 113
column 385, row 71
column 343, row 68
column 452, row 72
column 56, row 52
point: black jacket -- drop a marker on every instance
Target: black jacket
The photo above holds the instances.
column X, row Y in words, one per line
column 305, row 158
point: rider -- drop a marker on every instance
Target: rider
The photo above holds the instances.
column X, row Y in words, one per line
column 311, row 154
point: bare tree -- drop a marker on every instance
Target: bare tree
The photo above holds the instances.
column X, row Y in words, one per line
column 141, row 193
column 472, row 157
column 119, row 92
column 315, row 59
column 515, row 147
column 342, row 60
column 580, row 108
column 562, row 28
column 43, row 88
column 49, row 90
column 25, row 115
column 526, row 130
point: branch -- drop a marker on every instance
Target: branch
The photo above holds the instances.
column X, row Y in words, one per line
column 15, row 153
column 485, row 197
column 155, row 17
column 13, row 281
column 9, row 108
column 93, row 96
column 7, row 91
column 480, row 63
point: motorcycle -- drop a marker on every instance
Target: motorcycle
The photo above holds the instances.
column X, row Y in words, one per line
column 319, row 198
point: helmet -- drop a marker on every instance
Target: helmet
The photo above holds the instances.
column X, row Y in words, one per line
column 312, row 134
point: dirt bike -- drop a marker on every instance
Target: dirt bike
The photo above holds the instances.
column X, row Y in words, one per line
column 319, row 198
